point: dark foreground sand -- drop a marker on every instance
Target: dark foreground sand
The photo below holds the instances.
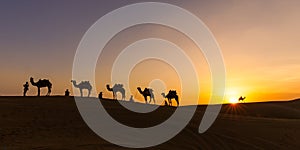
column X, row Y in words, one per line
column 55, row 123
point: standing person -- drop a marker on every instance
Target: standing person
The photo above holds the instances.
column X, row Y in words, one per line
column 100, row 95
column 26, row 88
column 67, row 93
column 131, row 99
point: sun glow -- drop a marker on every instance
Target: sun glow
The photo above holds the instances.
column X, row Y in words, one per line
column 233, row 100
column 232, row 96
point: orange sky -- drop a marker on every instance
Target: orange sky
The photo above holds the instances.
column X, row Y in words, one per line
column 259, row 42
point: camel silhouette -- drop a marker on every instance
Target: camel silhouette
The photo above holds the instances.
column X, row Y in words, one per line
column 40, row 84
column 170, row 96
column 242, row 98
column 83, row 85
column 147, row 92
column 116, row 88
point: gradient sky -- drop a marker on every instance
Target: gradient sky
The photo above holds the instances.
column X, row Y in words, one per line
column 259, row 41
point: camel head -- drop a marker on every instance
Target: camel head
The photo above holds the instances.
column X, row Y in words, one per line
column 74, row 83
column 140, row 90
column 108, row 87
column 31, row 81
column 163, row 94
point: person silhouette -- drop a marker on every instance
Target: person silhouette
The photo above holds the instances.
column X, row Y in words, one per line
column 26, row 88
column 67, row 92
column 131, row 99
column 100, row 95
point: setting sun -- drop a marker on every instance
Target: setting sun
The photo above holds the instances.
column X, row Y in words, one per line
column 233, row 100
column 232, row 96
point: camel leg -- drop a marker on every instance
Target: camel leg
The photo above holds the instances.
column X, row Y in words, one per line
column 89, row 93
column 153, row 100
column 123, row 96
column 81, row 92
column 145, row 97
column 39, row 91
column 170, row 102
column 49, row 91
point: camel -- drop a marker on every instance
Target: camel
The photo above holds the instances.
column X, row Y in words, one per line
column 147, row 92
column 116, row 88
column 83, row 85
column 40, row 84
column 170, row 96
column 242, row 98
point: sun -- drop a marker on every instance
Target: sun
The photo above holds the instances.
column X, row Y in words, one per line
column 233, row 100
column 232, row 96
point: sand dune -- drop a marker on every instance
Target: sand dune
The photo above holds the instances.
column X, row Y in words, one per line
column 55, row 123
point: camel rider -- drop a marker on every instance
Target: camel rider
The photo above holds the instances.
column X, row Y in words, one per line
column 26, row 88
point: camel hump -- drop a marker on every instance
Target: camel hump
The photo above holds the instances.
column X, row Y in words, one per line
column 118, row 85
column 85, row 82
column 173, row 92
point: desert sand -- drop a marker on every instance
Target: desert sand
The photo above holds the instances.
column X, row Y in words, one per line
column 55, row 123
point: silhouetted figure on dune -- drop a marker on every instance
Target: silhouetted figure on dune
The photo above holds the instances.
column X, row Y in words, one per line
column 83, row 85
column 242, row 98
column 147, row 92
column 40, row 84
column 67, row 92
column 131, row 99
column 26, row 88
column 170, row 96
column 116, row 88
column 100, row 95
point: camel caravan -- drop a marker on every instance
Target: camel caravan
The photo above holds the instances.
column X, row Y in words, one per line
column 117, row 88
